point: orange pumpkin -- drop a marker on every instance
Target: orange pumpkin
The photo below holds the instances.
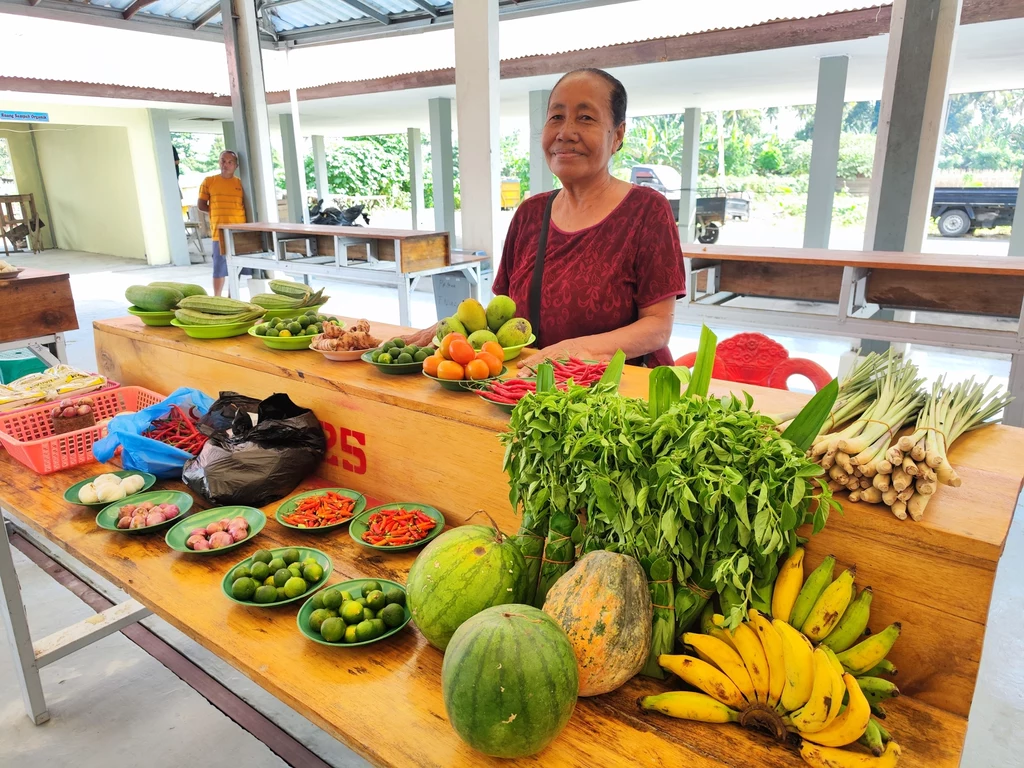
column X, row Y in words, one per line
column 604, row 606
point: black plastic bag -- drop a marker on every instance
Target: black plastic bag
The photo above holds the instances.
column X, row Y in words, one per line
column 249, row 464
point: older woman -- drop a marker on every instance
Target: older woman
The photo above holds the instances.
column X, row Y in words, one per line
column 596, row 265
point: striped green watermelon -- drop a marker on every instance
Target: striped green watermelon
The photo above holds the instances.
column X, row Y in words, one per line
column 510, row 681
column 460, row 573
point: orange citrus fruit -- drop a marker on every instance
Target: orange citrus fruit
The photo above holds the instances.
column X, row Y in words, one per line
column 450, row 371
column 431, row 363
column 477, row 369
column 446, row 342
column 461, row 351
column 493, row 348
column 493, row 363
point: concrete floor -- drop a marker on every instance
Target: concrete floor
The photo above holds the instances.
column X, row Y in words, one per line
column 114, row 684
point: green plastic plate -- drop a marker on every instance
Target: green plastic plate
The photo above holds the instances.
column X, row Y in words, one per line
column 71, row 494
column 395, row 369
column 503, row 406
column 152, row 318
column 288, row 343
column 291, row 312
column 361, row 524
column 288, row 506
column 304, row 552
column 213, row 331
column 352, row 587
column 463, row 385
column 107, row 518
column 178, row 535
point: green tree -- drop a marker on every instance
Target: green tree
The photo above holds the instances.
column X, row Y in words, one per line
column 6, row 164
column 515, row 160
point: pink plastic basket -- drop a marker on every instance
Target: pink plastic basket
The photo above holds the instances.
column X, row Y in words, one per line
column 28, row 434
column 73, row 396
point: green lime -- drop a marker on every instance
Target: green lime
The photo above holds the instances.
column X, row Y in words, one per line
column 365, row 631
column 262, row 556
column 405, row 357
column 281, row 577
column 395, row 595
column 276, row 564
column 308, row 561
column 370, row 585
column 379, row 627
column 392, row 615
column 281, row 594
column 261, row 330
column 350, row 633
column 387, row 346
column 269, row 581
column 375, row 600
column 318, row 602
column 295, row 587
column 368, row 614
column 265, row 594
column 346, row 596
column 273, row 333
column 304, row 321
column 420, row 356
column 260, row 571
column 311, row 331
column 243, row 589
column 310, row 313
column 312, row 573
column 240, row 572
column 333, row 599
column 284, row 333
column 352, row 612
column 400, row 343
column 333, row 614
column 296, row 569
column 319, row 328
column 375, row 355
column 318, row 617
column 332, row 630
column 294, row 329
column 291, row 556
column 384, row 359
column 361, row 601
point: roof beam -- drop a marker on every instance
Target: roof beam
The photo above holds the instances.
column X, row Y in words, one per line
column 135, row 7
column 207, row 16
column 428, row 7
column 357, row 5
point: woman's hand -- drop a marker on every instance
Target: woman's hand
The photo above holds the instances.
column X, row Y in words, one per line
column 577, row 348
column 421, row 338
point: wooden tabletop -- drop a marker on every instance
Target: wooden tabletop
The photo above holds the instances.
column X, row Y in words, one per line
column 367, row 233
column 384, row 700
column 924, row 262
column 33, row 275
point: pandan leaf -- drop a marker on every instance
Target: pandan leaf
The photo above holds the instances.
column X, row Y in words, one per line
column 700, row 379
column 613, row 373
column 545, row 377
column 663, row 390
column 808, row 422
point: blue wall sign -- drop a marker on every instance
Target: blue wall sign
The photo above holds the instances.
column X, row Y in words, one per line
column 24, row 117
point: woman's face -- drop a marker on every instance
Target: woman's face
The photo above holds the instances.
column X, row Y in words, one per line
column 579, row 135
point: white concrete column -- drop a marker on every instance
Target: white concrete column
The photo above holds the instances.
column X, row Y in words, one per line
column 922, row 40
column 228, row 130
column 689, row 172
column 442, row 165
column 249, row 108
column 415, row 140
column 541, row 178
column 476, row 97
column 320, row 167
column 1017, row 231
column 294, row 171
column 170, row 195
column 828, row 126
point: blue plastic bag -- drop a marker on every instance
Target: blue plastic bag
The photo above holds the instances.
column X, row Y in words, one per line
column 142, row 453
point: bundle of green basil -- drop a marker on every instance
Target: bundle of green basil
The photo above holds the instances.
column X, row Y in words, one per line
column 703, row 491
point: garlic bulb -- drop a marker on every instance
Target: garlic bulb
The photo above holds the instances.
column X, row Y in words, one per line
column 132, row 484
column 87, row 494
column 105, row 479
column 110, row 492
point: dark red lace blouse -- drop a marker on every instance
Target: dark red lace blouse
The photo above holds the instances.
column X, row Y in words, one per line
column 596, row 279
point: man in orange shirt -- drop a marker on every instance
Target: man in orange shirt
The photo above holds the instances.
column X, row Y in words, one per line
column 222, row 197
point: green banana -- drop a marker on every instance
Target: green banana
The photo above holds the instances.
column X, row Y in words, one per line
column 877, row 689
column 877, row 710
column 884, row 667
column 886, row 736
column 867, row 653
column 872, row 738
column 852, row 625
column 815, row 584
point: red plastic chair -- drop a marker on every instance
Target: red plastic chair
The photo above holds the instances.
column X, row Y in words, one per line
column 753, row 358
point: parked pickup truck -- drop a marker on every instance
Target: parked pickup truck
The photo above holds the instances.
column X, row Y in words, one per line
column 962, row 210
column 714, row 208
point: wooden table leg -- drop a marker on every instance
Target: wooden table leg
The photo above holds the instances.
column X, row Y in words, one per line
column 26, row 669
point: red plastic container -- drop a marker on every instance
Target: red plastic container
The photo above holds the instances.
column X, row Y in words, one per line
column 28, row 434
column 92, row 393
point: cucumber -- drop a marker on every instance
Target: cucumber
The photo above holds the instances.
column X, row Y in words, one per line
column 153, row 299
column 187, row 289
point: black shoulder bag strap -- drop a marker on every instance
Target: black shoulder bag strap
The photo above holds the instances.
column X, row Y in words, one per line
column 538, row 271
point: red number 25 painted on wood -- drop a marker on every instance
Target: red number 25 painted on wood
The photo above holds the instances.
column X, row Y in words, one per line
column 350, row 442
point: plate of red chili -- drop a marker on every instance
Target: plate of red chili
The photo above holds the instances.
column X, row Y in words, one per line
column 396, row 527
column 320, row 509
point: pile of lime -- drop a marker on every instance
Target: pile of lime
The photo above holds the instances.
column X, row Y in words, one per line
column 340, row 617
column 308, row 324
column 398, row 352
column 269, row 579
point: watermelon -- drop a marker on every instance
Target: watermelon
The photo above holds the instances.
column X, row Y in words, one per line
column 509, row 680
column 460, row 573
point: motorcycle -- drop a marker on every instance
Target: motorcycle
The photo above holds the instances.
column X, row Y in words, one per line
column 336, row 217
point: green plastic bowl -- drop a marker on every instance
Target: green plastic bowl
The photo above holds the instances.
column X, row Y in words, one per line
column 356, row 585
column 464, row 385
column 152, row 318
column 511, row 353
column 71, row 494
column 178, row 535
column 304, row 552
column 225, row 331
column 291, row 312
column 289, row 505
column 288, row 343
column 107, row 518
column 394, row 369
column 361, row 524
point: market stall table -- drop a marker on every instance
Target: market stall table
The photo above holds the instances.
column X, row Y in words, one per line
column 38, row 309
